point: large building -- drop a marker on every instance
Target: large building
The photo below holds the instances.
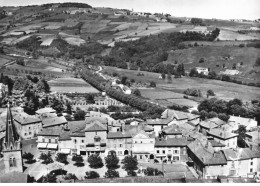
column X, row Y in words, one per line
column 12, row 151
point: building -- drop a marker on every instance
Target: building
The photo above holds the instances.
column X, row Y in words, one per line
column 12, row 152
column 178, row 117
column 242, row 162
column 27, row 126
column 120, row 142
column 172, row 131
column 171, row 149
column 205, row 126
column 248, row 122
column 202, row 70
column 227, row 138
column 207, row 163
column 157, row 124
column 105, row 101
column 54, row 121
column 143, row 145
column 252, row 139
column 217, row 146
column 44, row 112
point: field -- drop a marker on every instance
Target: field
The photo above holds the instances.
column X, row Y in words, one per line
column 223, row 90
column 69, row 85
column 231, row 35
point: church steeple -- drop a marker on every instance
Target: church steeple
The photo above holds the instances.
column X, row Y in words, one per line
column 11, row 141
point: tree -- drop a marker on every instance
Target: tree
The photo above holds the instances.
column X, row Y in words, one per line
column 149, row 171
column 193, row 72
column 112, row 161
column 91, row 175
column 57, row 105
column 202, row 60
column 210, row 93
column 223, row 117
column 29, row 157
column 111, row 173
column 95, row 161
column 78, row 160
column 212, row 114
column 196, row 21
column 46, row 158
column 49, row 178
column 203, row 114
column 137, row 92
column 62, row 158
column 42, row 85
column 257, row 62
column 169, row 77
column 30, row 179
column 163, row 75
column 241, row 136
column 70, row 176
column 152, row 84
column 69, row 108
column 124, row 80
column 130, row 164
column 79, row 115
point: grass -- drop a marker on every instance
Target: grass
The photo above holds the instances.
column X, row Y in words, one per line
column 223, row 90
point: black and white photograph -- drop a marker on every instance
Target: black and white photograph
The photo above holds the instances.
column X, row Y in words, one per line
column 129, row 91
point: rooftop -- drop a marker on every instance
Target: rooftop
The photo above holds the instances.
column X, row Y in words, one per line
column 172, row 129
column 207, row 155
column 48, row 122
column 168, row 113
column 45, row 110
column 112, row 135
column 240, row 154
column 171, row 142
column 95, row 125
column 24, row 118
column 215, row 143
column 208, row 124
column 156, row 121
column 222, row 134
column 13, row 177
column 216, row 121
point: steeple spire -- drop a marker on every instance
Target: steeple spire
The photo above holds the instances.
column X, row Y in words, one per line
column 11, row 141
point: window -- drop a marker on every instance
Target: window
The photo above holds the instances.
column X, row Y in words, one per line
column 96, row 133
column 251, row 170
column 82, row 141
column 135, row 141
column 30, row 133
column 43, row 140
column 120, row 145
column 151, row 141
column 75, row 141
column 251, row 163
column 25, row 134
column 11, row 162
column 141, row 142
column 169, row 151
column 14, row 162
column 158, row 152
column 56, row 141
column 114, row 145
column 49, row 140
column 176, row 151
column 163, row 151
column 119, row 152
column 141, row 157
column 29, row 128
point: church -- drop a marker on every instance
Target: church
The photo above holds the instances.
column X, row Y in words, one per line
column 11, row 146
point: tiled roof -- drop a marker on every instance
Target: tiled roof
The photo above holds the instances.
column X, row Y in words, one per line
column 207, row 156
column 141, row 132
column 54, row 121
column 13, row 177
column 95, row 125
column 216, row 144
column 241, row 120
column 219, row 133
column 156, row 122
column 112, row 135
column 45, row 110
column 216, row 120
column 100, row 119
column 171, row 142
column 76, row 126
column 25, row 119
column 172, row 129
column 55, row 131
column 168, row 113
column 208, row 125
column 241, row 154
column 133, row 129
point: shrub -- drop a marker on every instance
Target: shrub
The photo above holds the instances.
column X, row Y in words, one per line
column 223, row 117
column 152, row 84
column 62, row 158
column 241, row 45
column 111, row 173
column 46, row 158
column 210, row 93
column 149, row 171
column 112, row 161
column 78, row 160
column 91, row 175
column 95, row 161
column 58, row 172
column 257, row 62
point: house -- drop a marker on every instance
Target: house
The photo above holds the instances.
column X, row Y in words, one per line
column 41, row 113
column 216, row 121
column 205, row 126
column 171, row 149
column 248, row 122
column 156, row 124
column 120, row 142
column 227, row 138
column 106, row 101
column 54, row 121
column 207, row 163
column 172, row 131
column 202, row 70
column 143, row 146
column 178, row 117
column 242, row 162
column 217, row 146
column 90, row 139
column 252, row 139
column 133, row 129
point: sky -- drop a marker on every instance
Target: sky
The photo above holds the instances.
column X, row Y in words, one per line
column 221, row 9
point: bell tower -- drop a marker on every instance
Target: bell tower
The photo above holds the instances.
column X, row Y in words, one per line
column 12, row 151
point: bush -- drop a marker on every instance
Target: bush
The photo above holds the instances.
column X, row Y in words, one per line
column 46, row 158
column 70, row 176
column 193, row 92
column 241, row 45
column 137, row 92
column 95, row 161
column 111, row 173
column 149, row 171
column 78, row 160
column 58, row 172
column 202, row 60
column 257, row 62
column 223, row 117
column 152, row 84
column 91, row 175
column 130, row 164
column 112, row 161
column 210, row 93
column 62, row 158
